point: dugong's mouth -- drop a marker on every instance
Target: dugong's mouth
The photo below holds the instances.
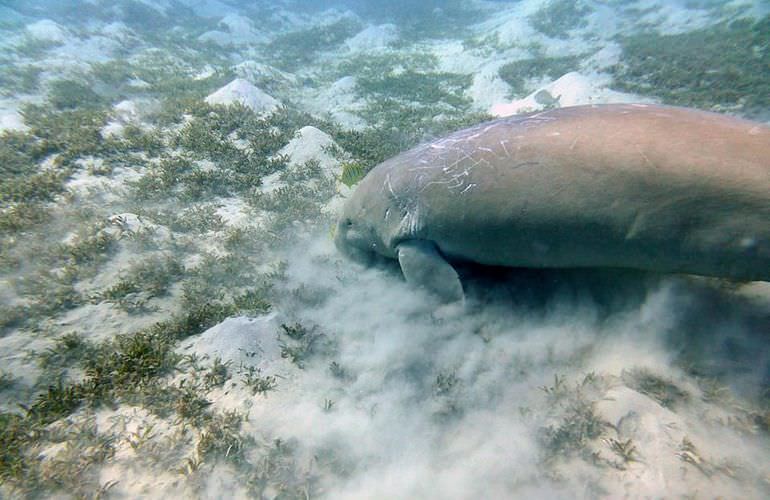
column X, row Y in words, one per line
column 353, row 243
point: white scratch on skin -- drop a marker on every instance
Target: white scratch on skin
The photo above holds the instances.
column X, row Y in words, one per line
column 387, row 214
column 646, row 159
column 388, row 183
column 574, row 143
column 457, row 162
column 405, row 221
column 449, row 162
column 489, row 127
column 503, row 144
column 421, row 168
column 431, row 183
column 456, row 183
column 410, row 221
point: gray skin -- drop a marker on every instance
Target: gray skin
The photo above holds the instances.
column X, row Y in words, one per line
column 646, row 187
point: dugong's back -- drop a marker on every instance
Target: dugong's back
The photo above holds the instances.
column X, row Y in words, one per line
column 642, row 186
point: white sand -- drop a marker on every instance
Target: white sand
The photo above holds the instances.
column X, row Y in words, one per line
column 48, row 31
column 373, row 38
column 242, row 92
column 572, row 89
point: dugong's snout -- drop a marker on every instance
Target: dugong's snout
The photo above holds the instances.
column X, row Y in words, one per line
column 352, row 242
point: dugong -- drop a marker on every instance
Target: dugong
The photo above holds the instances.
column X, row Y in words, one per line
column 648, row 187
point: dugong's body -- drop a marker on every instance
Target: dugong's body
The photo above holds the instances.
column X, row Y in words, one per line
column 648, row 187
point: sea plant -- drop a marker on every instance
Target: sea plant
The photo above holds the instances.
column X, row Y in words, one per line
column 153, row 276
column 718, row 67
column 253, row 378
column 558, row 17
column 661, row 389
column 221, row 438
column 19, row 78
column 419, row 87
column 72, row 94
column 297, row 48
column 299, row 343
column 518, row 74
column 625, row 450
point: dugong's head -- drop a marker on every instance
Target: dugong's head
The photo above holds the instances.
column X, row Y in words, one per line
column 362, row 231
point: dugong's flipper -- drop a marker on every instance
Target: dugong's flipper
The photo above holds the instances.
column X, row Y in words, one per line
column 423, row 266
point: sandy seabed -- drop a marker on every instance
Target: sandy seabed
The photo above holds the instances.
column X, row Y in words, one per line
column 552, row 384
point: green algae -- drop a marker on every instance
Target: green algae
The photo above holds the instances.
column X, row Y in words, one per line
column 171, row 74
column 372, row 65
column 408, row 101
column 71, row 94
column 123, row 369
column 408, row 77
column 658, row 388
column 518, row 73
column 291, row 51
column 558, row 17
column 720, row 67
column 70, row 133
column 18, row 78
column 400, row 127
column 152, row 276
column 425, row 20
column 134, row 368
column 424, row 88
column 34, row 48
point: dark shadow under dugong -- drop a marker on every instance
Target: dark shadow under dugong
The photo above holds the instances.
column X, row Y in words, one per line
column 636, row 186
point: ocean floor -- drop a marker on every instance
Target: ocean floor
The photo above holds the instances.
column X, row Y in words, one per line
column 175, row 321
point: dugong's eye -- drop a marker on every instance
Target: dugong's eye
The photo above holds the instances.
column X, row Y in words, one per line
column 348, row 222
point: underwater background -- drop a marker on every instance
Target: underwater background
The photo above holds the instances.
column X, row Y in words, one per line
column 175, row 321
